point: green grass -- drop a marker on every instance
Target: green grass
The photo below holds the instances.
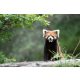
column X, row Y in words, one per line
column 69, row 60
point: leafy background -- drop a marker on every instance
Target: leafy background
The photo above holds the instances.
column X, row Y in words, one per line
column 21, row 36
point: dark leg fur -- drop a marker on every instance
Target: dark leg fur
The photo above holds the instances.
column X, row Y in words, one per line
column 49, row 48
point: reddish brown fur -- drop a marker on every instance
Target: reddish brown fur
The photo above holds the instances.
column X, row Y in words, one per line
column 50, row 47
column 50, row 33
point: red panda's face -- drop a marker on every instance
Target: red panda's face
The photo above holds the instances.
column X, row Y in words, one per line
column 51, row 35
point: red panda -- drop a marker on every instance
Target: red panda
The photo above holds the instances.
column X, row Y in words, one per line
column 51, row 43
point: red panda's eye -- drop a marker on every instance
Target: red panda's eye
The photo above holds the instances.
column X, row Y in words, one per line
column 54, row 37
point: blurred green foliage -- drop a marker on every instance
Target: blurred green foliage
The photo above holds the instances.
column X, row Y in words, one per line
column 8, row 21
column 21, row 35
column 13, row 32
column 69, row 25
column 5, row 59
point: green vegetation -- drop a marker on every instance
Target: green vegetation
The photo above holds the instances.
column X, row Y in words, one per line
column 16, row 36
column 21, row 35
column 5, row 59
column 69, row 26
column 67, row 63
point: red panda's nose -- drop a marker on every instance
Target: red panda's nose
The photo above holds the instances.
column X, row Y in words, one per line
column 50, row 39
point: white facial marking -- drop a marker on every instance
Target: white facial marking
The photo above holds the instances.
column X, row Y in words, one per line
column 50, row 38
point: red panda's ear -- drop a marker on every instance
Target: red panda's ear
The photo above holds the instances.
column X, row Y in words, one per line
column 44, row 32
column 58, row 32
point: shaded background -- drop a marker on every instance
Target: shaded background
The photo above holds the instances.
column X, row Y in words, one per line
column 21, row 36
